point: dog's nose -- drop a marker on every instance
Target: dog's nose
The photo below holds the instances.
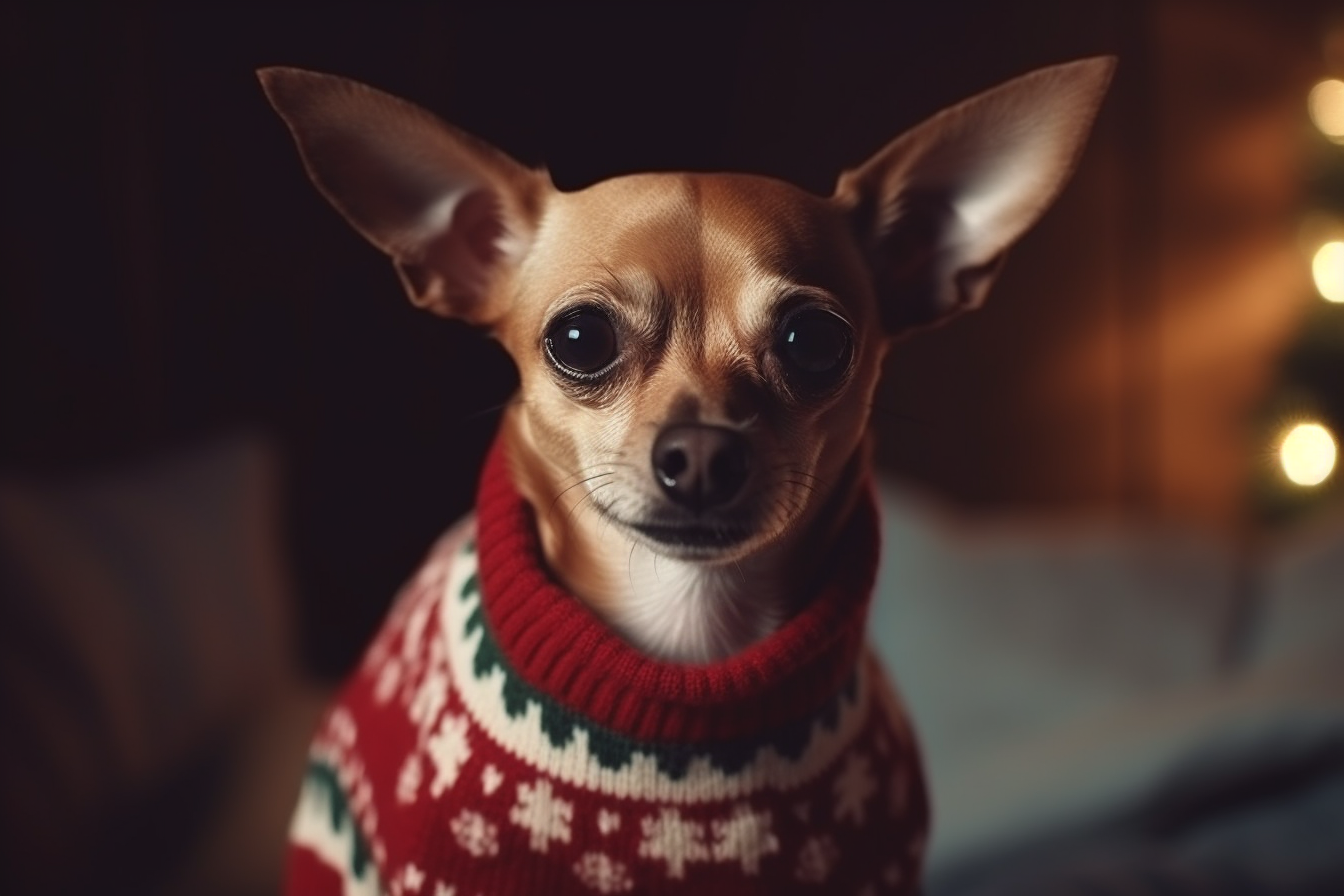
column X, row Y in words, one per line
column 700, row 467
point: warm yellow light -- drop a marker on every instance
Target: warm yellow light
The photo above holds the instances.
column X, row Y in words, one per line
column 1307, row 454
column 1327, row 268
column 1326, row 104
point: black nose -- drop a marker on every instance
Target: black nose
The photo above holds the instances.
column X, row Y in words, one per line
column 700, row 467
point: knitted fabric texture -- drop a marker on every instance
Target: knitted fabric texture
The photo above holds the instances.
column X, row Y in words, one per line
column 499, row 739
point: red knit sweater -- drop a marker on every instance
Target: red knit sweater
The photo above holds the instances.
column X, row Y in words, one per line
column 498, row 739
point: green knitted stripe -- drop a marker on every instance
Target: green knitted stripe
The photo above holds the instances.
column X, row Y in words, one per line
column 614, row 750
column 324, row 777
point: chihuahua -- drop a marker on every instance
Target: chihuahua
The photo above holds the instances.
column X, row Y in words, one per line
column 668, row 571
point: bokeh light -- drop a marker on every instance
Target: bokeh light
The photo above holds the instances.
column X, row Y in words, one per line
column 1326, row 105
column 1327, row 269
column 1307, row 454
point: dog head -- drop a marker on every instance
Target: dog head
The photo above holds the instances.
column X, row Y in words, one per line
column 697, row 352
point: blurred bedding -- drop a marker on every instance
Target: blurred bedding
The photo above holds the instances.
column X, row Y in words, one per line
column 1107, row 710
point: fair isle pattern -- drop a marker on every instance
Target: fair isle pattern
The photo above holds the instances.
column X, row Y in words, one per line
column 572, row 749
column 323, row 825
column 442, row 771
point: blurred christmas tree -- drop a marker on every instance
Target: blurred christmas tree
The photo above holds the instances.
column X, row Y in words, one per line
column 1304, row 416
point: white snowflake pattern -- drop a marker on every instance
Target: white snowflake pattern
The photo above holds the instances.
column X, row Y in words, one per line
column 341, row 724
column 491, row 778
column 409, row 778
column 429, row 699
column 475, row 834
column 608, row 821
column 854, row 786
column 412, row 878
column 745, row 836
column 448, row 749
column 413, row 635
column 675, row 840
column 361, row 794
column 389, row 676
column 604, row 874
column 542, row 814
column 442, row 889
column 816, row 860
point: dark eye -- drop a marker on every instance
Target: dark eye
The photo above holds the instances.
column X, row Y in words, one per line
column 816, row 346
column 582, row 343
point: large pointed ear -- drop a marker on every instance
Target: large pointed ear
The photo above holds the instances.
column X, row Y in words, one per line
column 451, row 211
column 938, row 207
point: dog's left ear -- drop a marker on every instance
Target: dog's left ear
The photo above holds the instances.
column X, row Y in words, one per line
column 939, row 206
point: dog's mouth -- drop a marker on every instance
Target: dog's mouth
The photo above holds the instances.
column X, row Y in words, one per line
column 687, row 538
column 692, row 538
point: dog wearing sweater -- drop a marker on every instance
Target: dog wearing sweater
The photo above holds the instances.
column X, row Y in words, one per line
column 640, row 665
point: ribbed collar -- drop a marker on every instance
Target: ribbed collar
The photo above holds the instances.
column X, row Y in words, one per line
column 559, row 647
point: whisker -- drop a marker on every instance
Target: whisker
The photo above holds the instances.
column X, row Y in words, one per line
column 576, row 473
column 487, row 411
column 564, row 491
column 797, row 472
column 573, row 511
column 630, row 565
column 784, row 512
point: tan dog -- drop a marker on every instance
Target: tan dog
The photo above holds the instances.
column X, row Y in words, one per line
column 698, row 354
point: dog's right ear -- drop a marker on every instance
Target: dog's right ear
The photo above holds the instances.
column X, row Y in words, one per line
column 452, row 211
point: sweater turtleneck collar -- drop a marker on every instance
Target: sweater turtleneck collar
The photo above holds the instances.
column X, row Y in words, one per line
column 558, row 646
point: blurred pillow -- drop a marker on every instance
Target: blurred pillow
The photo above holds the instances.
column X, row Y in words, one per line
column 1079, row 686
column 142, row 611
column 1019, row 645
column 1000, row 627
